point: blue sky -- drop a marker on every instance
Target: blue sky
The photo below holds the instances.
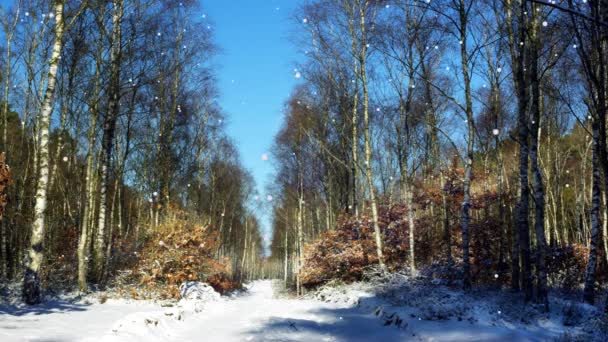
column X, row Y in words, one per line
column 256, row 76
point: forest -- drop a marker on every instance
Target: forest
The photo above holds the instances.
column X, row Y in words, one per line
column 456, row 143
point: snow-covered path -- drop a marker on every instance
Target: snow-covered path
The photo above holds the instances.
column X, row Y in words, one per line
column 255, row 316
column 260, row 316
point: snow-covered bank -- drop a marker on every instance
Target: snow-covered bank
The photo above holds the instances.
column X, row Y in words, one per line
column 395, row 309
column 59, row 320
column 429, row 311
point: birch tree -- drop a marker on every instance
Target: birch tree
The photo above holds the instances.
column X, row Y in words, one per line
column 32, row 291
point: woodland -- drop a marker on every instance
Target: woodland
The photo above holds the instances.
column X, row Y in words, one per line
column 459, row 140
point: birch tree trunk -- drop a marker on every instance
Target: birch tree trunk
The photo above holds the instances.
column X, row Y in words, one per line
column 468, row 167
column 539, row 192
column 354, row 118
column 447, row 236
column 108, row 140
column 286, row 257
column 32, row 292
column 589, row 290
column 367, row 138
column 85, row 226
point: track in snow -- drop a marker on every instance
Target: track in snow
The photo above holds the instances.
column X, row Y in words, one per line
column 260, row 317
column 255, row 316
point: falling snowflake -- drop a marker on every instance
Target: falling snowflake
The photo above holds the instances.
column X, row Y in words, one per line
column 269, row 198
column 264, row 157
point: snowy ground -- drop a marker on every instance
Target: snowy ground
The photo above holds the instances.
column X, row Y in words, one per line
column 357, row 312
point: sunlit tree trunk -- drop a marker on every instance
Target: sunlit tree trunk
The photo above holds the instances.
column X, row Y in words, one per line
column 367, row 138
column 32, row 292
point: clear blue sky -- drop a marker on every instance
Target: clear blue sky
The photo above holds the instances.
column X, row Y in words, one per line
column 256, row 76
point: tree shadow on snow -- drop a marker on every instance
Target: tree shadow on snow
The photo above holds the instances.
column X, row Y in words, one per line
column 49, row 307
column 354, row 324
column 326, row 324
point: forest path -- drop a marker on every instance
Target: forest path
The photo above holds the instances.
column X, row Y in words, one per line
column 256, row 315
column 259, row 316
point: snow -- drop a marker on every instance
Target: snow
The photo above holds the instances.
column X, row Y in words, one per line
column 194, row 290
column 396, row 309
column 430, row 311
column 59, row 320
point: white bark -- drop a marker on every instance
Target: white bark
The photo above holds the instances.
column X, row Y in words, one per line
column 31, row 284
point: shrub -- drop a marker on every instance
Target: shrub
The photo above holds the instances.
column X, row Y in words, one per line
column 177, row 252
column 344, row 253
column 223, row 284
